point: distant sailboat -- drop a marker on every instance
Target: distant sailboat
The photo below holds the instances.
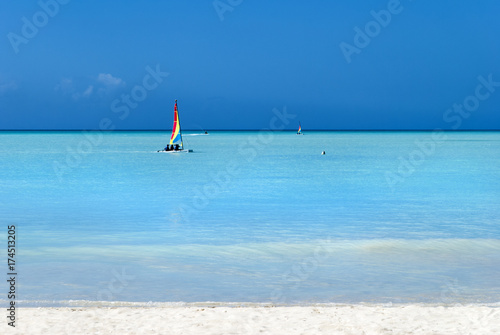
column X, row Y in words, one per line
column 176, row 144
column 299, row 132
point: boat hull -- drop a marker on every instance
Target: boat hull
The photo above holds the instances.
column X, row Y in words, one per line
column 175, row 151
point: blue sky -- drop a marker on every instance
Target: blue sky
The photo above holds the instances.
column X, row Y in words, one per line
column 416, row 64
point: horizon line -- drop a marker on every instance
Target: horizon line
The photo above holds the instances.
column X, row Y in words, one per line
column 294, row 130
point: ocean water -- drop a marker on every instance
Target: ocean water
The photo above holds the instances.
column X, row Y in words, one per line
column 402, row 217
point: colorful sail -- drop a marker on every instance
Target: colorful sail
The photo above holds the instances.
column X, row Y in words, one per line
column 300, row 129
column 176, row 137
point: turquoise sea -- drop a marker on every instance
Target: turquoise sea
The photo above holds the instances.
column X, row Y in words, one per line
column 401, row 217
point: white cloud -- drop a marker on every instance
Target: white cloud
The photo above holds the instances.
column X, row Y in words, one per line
column 85, row 94
column 12, row 86
column 89, row 87
column 88, row 91
column 108, row 80
column 6, row 86
column 65, row 85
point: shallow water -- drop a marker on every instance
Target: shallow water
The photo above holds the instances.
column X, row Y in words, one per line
column 254, row 216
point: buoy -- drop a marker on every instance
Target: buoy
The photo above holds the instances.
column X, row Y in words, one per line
column 323, row 152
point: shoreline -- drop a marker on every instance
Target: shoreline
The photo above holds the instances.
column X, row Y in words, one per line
column 202, row 318
column 233, row 304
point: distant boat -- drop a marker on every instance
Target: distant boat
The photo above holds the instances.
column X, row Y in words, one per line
column 176, row 144
column 299, row 132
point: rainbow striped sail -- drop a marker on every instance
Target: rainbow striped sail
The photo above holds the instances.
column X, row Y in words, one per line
column 176, row 137
column 300, row 129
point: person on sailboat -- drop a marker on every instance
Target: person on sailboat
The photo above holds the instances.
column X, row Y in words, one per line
column 176, row 147
column 167, row 148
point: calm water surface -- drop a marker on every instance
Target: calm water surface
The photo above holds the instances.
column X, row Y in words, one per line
column 254, row 217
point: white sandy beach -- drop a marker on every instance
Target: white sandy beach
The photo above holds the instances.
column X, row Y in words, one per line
column 206, row 319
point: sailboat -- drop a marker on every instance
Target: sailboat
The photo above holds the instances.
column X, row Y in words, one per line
column 176, row 144
column 299, row 132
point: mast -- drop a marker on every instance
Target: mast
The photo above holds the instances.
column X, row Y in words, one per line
column 179, row 123
column 176, row 129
